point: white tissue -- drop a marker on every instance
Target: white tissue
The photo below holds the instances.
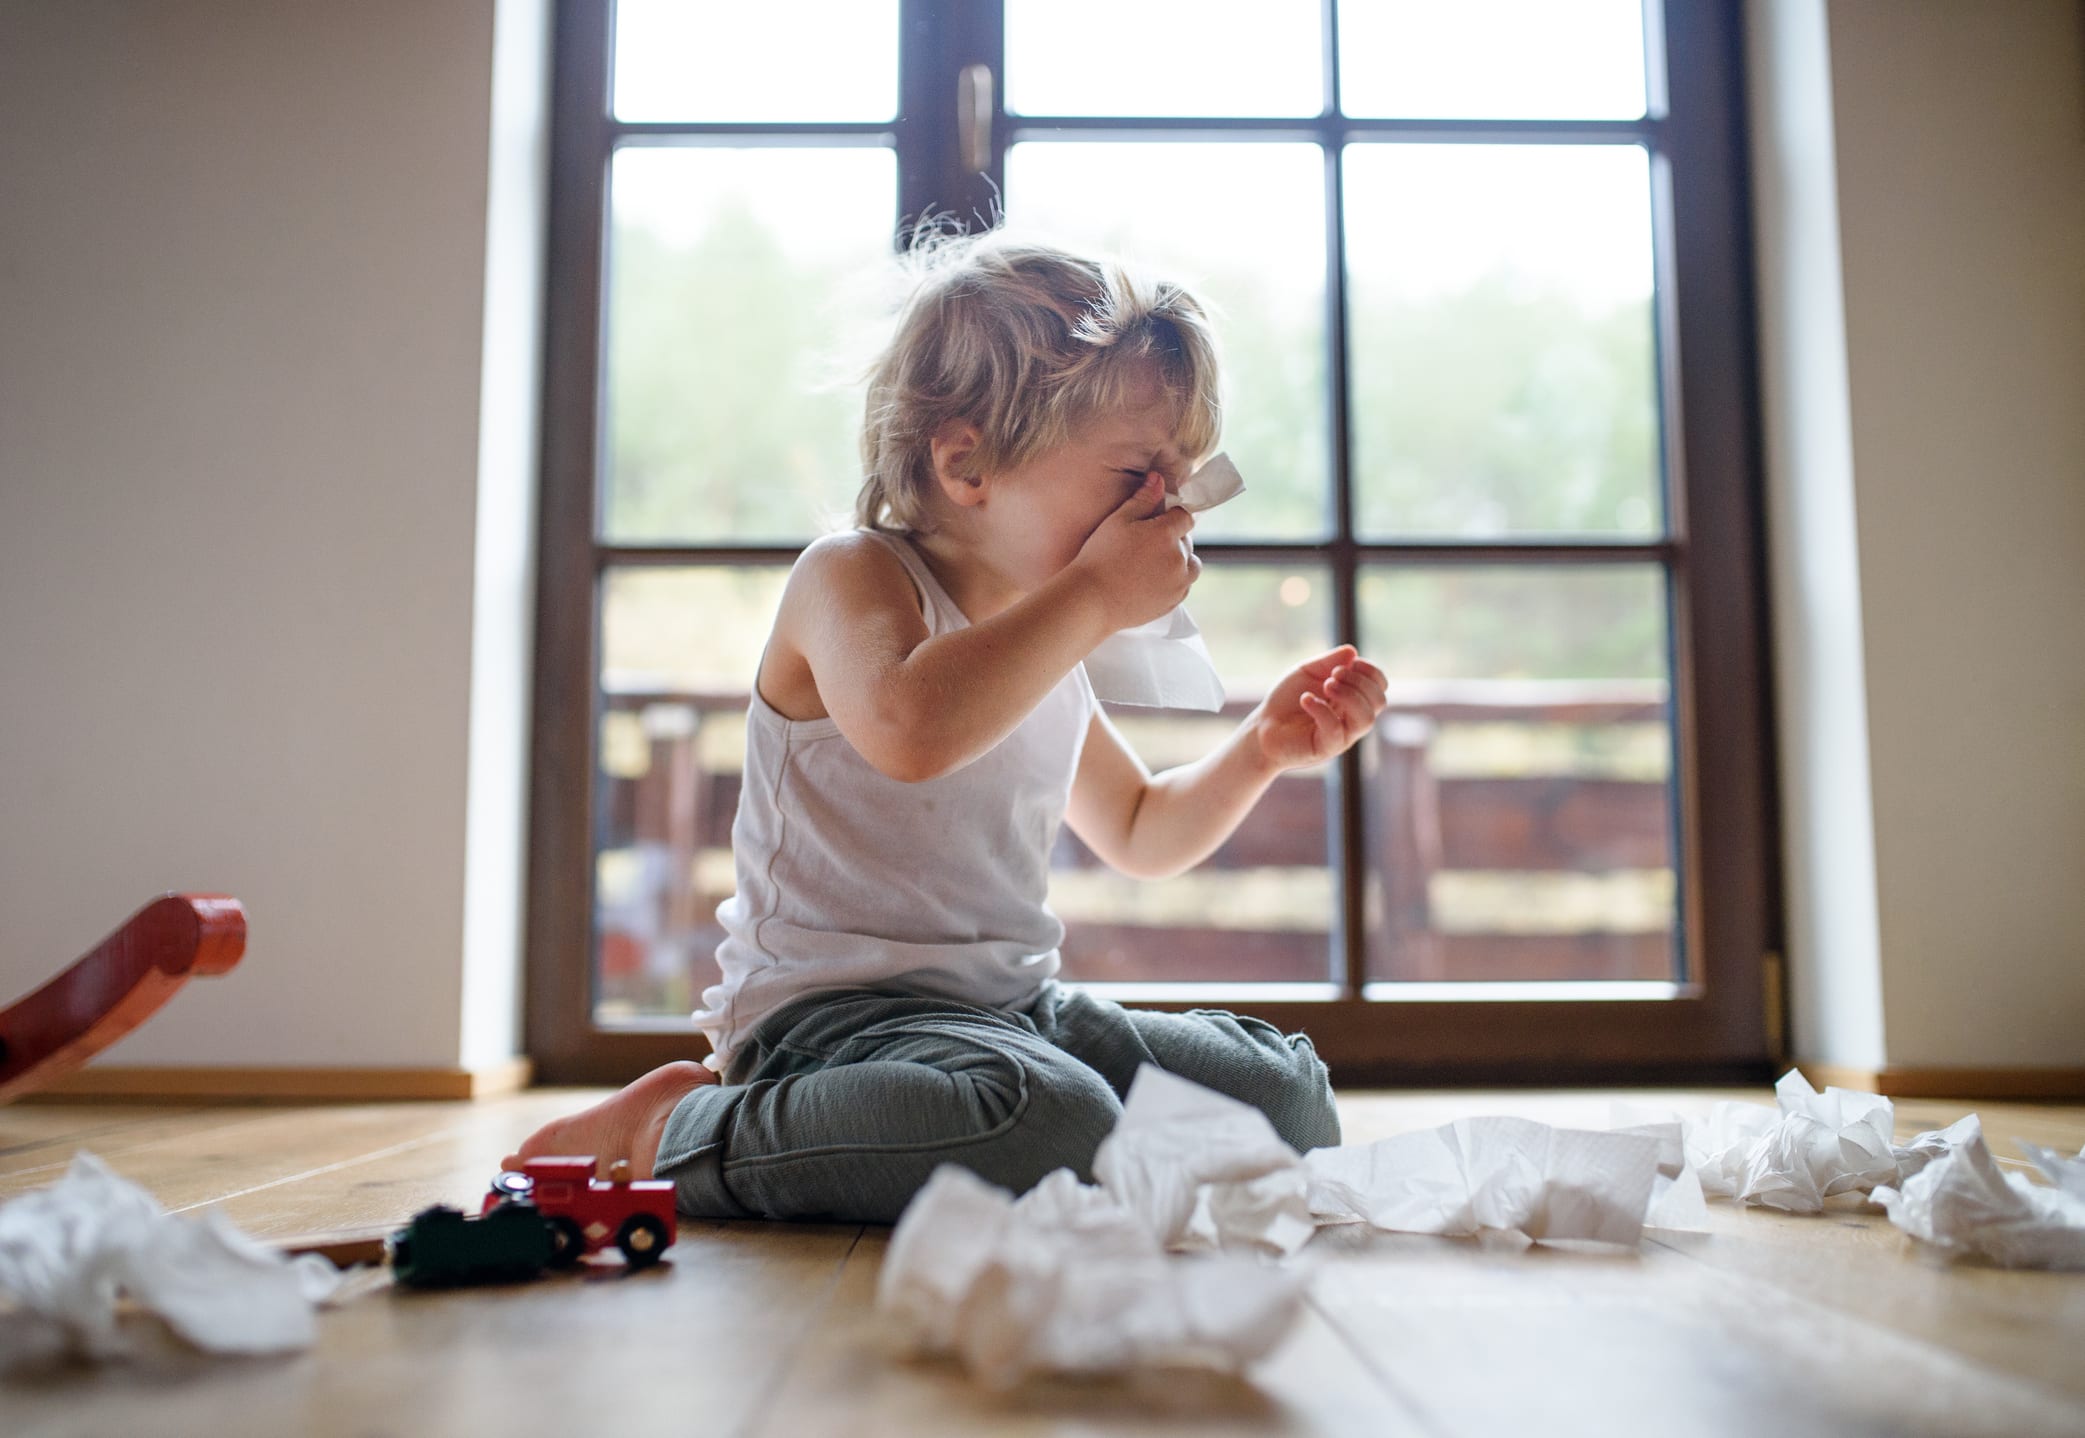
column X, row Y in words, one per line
column 67, row 1251
column 1068, row 1280
column 1505, row 1176
column 1078, row 1279
column 1719, row 1147
column 1962, row 1204
column 1676, row 1200
column 2067, row 1174
column 1813, row 1146
column 1164, row 664
column 1677, row 1203
column 1203, row 1170
column 1933, row 1144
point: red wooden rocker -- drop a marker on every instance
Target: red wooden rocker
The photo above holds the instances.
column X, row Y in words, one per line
column 117, row 986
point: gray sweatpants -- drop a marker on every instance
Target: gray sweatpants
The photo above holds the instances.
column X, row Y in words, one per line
column 842, row 1103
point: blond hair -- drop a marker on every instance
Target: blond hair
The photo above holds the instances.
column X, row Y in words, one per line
column 1028, row 342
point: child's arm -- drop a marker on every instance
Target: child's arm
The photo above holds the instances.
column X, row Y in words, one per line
column 916, row 706
column 1153, row 827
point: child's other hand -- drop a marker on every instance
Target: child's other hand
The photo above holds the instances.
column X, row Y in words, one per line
column 1140, row 557
column 1319, row 709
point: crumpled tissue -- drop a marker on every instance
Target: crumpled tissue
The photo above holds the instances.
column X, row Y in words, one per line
column 1078, row 1278
column 1202, row 1170
column 1961, row 1204
column 67, row 1251
column 1069, row 1280
column 1501, row 1178
column 1677, row 1202
column 1164, row 664
column 1813, row 1146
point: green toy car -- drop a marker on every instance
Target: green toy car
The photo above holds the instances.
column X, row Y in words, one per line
column 442, row 1246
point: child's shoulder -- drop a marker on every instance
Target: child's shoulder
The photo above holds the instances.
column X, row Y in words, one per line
column 849, row 599
column 854, row 567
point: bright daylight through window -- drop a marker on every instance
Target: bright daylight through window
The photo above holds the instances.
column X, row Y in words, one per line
column 1442, row 245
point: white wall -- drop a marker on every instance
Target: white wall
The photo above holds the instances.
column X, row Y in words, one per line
column 1962, row 189
column 1828, row 836
column 256, row 551
column 1953, row 170
column 503, row 599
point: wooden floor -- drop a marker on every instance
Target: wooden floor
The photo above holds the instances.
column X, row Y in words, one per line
column 1769, row 1325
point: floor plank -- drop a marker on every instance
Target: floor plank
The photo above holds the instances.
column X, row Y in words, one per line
column 1769, row 1323
column 452, row 1162
column 32, row 1135
column 213, row 1153
column 850, row 1376
column 695, row 1343
column 1857, row 1266
column 1563, row 1343
column 1849, row 1261
column 2060, row 1127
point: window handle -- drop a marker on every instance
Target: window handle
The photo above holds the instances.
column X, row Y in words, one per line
column 974, row 118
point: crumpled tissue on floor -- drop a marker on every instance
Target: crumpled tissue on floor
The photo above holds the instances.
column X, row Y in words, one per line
column 1069, row 1280
column 1206, row 1171
column 1962, row 1204
column 1077, row 1278
column 68, row 1251
column 1511, row 1177
column 1089, row 1278
column 1202, row 1170
column 1813, row 1146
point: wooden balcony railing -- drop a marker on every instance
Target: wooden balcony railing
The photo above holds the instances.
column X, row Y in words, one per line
column 668, row 819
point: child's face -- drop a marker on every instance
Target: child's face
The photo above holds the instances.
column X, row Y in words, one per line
column 1037, row 516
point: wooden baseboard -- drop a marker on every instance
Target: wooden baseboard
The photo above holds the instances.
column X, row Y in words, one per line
column 1915, row 1081
column 104, row 1082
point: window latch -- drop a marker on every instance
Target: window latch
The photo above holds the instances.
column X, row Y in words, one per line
column 974, row 118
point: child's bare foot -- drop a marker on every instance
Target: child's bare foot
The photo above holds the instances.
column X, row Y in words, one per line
column 627, row 1125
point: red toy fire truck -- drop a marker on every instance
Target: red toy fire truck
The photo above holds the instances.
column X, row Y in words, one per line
column 585, row 1215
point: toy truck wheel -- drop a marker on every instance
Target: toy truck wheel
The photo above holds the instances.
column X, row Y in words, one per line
column 642, row 1239
column 567, row 1243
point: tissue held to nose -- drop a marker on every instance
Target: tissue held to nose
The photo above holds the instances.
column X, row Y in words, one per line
column 1165, row 664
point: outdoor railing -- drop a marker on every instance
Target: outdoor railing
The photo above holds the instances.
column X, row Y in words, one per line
column 1474, row 874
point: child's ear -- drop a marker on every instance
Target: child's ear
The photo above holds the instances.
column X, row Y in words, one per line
column 954, row 451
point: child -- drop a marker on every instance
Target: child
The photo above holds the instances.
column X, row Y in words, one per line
column 919, row 726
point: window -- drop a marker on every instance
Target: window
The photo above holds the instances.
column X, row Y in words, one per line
column 1481, row 269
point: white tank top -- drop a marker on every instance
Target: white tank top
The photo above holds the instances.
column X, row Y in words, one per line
column 848, row 878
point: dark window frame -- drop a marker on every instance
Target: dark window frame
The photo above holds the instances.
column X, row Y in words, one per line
column 1724, row 1024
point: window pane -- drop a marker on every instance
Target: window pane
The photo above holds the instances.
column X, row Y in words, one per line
column 741, row 283
column 1153, row 57
column 1520, row 783
column 1492, row 59
column 1503, row 364
column 1244, row 225
column 679, row 649
column 1261, row 909
column 714, row 61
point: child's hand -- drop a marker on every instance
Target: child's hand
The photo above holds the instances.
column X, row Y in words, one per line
column 1319, row 709
column 1140, row 558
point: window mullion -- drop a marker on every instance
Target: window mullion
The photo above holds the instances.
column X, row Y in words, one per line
column 1346, row 579
column 1351, row 832
column 938, row 41
column 559, row 1006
